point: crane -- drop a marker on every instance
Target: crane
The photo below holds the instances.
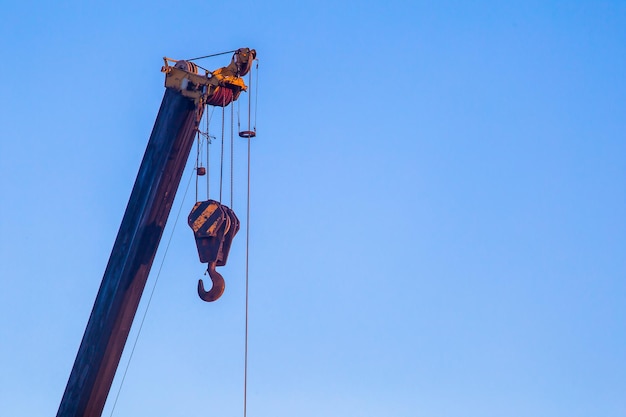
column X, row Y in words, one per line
column 186, row 95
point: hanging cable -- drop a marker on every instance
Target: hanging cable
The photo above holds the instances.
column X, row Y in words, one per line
column 245, row 367
column 238, row 116
column 212, row 55
column 256, row 94
column 197, row 161
column 222, row 150
column 232, row 148
column 245, row 377
column 208, row 160
column 250, row 100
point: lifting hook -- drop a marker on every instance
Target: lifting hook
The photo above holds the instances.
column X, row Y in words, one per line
column 216, row 290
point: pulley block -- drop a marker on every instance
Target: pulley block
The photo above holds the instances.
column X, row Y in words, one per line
column 209, row 223
column 214, row 226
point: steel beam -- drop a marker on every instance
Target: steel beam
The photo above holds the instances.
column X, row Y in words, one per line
column 131, row 258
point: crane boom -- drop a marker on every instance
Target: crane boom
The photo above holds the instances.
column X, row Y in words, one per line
column 140, row 231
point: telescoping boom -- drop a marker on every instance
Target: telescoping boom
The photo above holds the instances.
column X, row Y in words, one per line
column 186, row 95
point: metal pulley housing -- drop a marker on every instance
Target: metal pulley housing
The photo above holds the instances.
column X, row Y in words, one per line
column 214, row 226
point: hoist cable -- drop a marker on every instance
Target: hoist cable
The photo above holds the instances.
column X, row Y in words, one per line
column 238, row 116
column 209, row 56
column 212, row 55
column 245, row 366
column 208, row 142
column 156, row 280
column 232, row 148
column 256, row 95
column 222, row 150
column 197, row 160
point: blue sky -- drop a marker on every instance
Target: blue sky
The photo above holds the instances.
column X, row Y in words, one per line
column 437, row 224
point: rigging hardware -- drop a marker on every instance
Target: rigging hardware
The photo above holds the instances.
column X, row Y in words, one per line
column 214, row 226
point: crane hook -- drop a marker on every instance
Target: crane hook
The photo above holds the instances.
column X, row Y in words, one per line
column 216, row 290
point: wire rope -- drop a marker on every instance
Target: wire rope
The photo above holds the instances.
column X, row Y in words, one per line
column 197, row 161
column 238, row 116
column 232, row 149
column 247, row 315
column 208, row 142
column 212, row 55
column 245, row 367
column 222, row 150
column 256, row 95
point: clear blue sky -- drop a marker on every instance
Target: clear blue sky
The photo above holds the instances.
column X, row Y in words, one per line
column 438, row 221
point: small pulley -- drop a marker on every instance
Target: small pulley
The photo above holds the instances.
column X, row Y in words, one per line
column 214, row 226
